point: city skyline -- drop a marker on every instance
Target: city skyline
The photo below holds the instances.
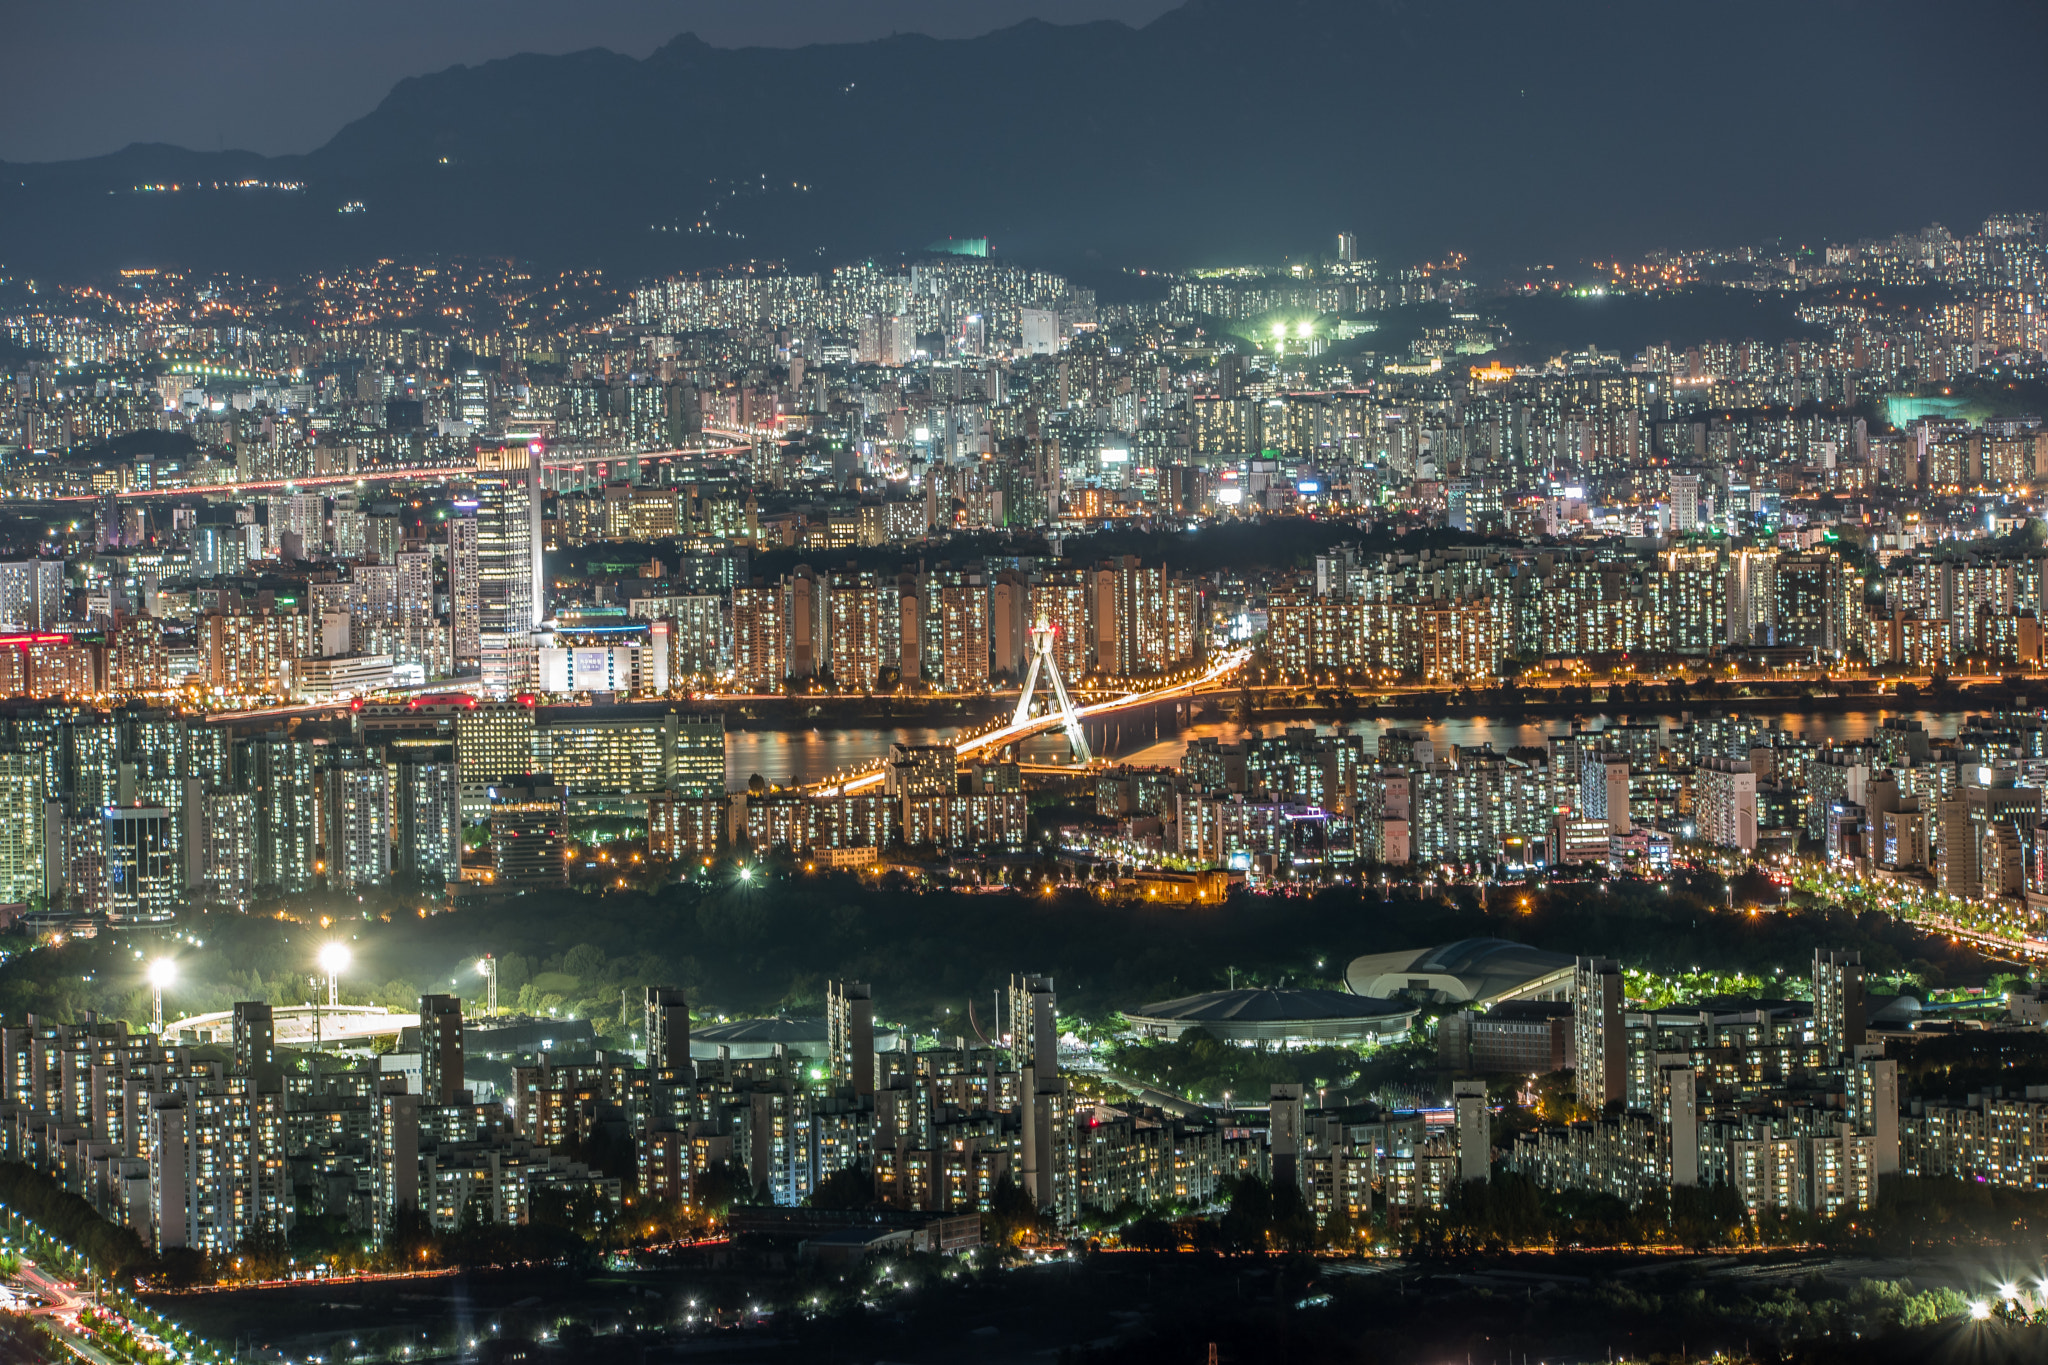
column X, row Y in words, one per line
column 1230, row 681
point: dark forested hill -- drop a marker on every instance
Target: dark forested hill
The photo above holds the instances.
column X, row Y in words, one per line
column 1521, row 132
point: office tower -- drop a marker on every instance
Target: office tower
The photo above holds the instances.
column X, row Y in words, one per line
column 528, row 843
column 277, row 772
column 850, row 1034
column 511, row 581
column 21, row 827
column 496, row 740
column 465, row 596
column 1347, row 248
column 1596, row 1020
column 440, row 1049
column 666, row 1019
column 141, row 864
column 625, row 749
column 699, row 754
column 355, row 804
column 473, row 399
column 426, row 813
column 1838, row 1016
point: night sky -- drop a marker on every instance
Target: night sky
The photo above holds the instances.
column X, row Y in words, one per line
column 86, row 77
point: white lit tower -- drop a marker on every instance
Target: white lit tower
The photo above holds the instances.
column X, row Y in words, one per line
column 1042, row 657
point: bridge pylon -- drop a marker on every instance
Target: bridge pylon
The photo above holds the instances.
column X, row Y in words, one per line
column 1042, row 636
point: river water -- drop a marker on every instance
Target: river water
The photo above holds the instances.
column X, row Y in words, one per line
column 810, row 755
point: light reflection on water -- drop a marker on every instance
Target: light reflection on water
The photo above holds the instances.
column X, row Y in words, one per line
column 810, row 755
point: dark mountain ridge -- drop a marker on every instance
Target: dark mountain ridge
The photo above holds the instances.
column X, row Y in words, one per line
column 1224, row 129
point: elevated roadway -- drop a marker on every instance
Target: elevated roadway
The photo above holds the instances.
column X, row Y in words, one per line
column 724, row 442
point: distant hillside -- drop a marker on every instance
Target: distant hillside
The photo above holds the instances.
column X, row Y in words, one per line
column 1227, row 128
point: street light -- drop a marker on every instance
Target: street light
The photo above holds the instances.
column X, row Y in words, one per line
column 162, row 973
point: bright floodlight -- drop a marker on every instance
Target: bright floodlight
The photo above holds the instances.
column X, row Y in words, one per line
column 162, row 972
column 483, row 967
column 1305, row 330
column 334, row 958
column 1980, row 1310
column 1279, row 331
column 2008, row 1292
column 746, row 874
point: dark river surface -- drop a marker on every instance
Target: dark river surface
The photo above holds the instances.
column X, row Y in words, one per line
column 809, row 755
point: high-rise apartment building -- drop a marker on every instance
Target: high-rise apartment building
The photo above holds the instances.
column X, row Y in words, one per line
column 21, row 826
column 760, row 661
column 221, row 842
column 1724, row 803
column 665, row 1019
column 959, row 630
column 850, row 1034
column 426, row 812
column 277, row 771
column 441, row 1049
column 1603, row 789
column 465, row 596
column 1597, row 1024
column 1062, row 598
column 355, row 804
column 32, row 594
column 1838, row 1009
column 864, row 629
column 1808, row 592
column 1144, row 620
